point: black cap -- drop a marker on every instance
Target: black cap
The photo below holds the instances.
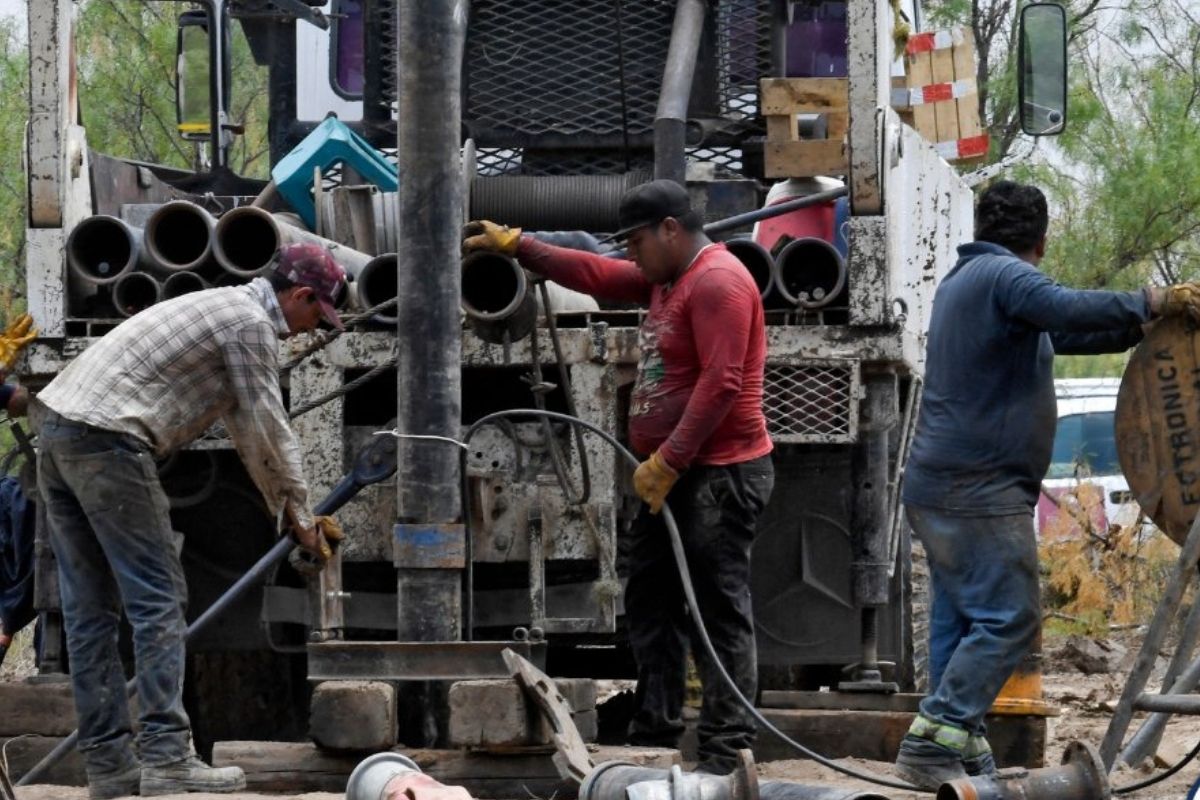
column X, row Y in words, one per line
column 649, row 204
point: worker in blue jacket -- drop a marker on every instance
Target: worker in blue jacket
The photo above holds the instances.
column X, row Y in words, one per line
column 982, row 446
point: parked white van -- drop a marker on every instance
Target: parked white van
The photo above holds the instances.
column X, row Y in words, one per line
column 1085, row 451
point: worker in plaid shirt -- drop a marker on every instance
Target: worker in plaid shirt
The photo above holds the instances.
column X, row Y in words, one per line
column 149, row 387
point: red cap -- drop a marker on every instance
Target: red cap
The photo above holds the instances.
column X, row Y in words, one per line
column 311, row 265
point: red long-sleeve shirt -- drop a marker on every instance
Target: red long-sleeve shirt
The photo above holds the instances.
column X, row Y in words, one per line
column 699, row 389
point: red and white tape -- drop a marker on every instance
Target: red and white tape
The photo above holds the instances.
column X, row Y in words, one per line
column 932, row 93
column 934, row 40
column 958, row 149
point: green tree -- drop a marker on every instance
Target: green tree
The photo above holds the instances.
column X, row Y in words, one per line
column 126, row 67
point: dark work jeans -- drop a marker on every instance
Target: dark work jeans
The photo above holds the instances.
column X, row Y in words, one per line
column 717, row 510
column 111, row 532
column 985, row 613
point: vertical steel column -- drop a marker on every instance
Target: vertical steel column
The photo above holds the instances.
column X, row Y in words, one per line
column 429, row 534
column 670, row 121
column 870, row 525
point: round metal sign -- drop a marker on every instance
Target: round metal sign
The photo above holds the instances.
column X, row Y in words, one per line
column 1158, row 425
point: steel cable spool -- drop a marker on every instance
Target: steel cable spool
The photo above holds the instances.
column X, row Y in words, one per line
column 555, row 202
column 1157, row 424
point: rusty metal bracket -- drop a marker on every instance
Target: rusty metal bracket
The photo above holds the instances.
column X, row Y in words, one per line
column 571, row 759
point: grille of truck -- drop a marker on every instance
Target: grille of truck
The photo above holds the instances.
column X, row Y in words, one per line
column 812, row 402
column 553, row 88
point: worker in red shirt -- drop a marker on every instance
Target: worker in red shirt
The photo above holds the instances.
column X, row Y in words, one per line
column 696, row 418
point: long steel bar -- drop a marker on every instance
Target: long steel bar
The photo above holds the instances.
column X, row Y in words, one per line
column 670, row 121
column 1168, row 703
column 415, row 661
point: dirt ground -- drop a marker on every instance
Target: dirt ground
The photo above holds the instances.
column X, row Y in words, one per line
column 1085, row 701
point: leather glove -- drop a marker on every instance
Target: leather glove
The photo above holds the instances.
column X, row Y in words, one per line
column 1182, row 299
column 14, row 339
column 485, row 235
column 319, row 541
column 652, row 480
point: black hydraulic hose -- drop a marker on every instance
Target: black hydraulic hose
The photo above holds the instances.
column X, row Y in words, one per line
column 689, row 593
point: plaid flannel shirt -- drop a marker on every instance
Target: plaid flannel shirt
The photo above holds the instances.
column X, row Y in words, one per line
column 167, row 374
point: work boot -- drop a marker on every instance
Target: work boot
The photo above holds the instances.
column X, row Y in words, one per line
column 191, row 775
column 977, row 758
column 115, row 784
column 926, row 764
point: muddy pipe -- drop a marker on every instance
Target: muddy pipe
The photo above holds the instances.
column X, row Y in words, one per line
column 377, row 283
column 393, row 776
column 496, row 297
column 810, row 273
column 134, row 292
column 247, row 238
column 102, row 248
column 757, row 260
column 1082, row 776
column 179, row 236
column 181, row 283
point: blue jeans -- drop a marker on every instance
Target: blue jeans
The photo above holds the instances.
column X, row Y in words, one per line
column 111, row 532
column 986, row 609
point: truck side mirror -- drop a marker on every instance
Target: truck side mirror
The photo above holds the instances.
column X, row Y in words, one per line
column 1042, row 67
column 192, row 87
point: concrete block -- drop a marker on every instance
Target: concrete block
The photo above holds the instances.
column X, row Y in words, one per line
column 497, row 713
column 353, row 715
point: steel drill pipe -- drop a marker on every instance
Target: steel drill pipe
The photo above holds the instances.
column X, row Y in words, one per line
column 101, row 249
column 179, row 236
column 392, row 776
column 617, row 780
column 757, row 260
column 496, row 297
column 377, row 283
column 134, row 292
column 181, row 283
column 1081, row 777
column 247, row 238
column 810, row 273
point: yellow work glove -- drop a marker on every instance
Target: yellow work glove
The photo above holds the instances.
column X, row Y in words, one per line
column 14, row 339
column 320, row 540
column 1180, row 300
column 485, row 235
column 652, row 480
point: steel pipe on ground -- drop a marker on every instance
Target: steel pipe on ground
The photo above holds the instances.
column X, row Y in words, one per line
column 810, row 273
column 102, row 248
column 1082, row 776
column 247, row 238
column 179, row 236
column 392, row 776
column 134, row 292
column 181, row 283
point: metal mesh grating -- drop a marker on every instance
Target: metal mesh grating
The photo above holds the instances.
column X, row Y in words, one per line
column 744, row 54
column 812, row 402
column 535, row 67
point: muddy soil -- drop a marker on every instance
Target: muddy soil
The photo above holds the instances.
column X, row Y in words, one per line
column 1085, row 701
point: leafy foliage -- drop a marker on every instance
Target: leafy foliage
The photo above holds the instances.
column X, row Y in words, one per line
column 127, row 80
column 1102, row 576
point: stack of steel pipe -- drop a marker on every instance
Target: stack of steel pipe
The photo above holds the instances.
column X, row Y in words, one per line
column 183, row 249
